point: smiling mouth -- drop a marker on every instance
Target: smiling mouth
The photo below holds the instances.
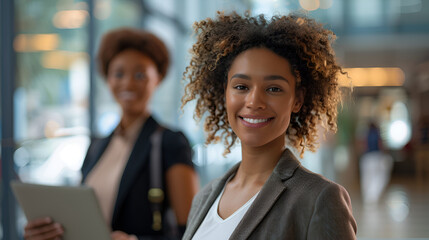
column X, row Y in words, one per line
column 255, row 122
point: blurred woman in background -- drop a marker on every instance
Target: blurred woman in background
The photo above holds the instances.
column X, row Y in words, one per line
column 135, row 184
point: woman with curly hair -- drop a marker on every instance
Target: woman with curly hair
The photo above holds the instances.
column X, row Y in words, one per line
column 267, row 83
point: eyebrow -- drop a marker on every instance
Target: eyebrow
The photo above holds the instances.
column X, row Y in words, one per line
column 270, row 77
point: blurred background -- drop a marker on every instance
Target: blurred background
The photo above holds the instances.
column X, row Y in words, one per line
column 53, row 99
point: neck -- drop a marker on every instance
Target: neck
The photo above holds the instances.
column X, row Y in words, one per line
column 258, row 162
column 128, row 119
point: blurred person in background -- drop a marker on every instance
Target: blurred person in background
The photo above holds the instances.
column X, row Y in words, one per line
column 124, row 167
column 373, row 140
column 422, row 148
column 375, row 165
column 266, row 83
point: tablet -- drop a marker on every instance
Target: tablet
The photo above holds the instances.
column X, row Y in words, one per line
column 74, row 207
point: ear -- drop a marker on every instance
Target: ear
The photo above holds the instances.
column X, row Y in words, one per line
column 299, row 99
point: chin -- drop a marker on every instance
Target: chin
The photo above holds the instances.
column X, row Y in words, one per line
column 132, row 111
column 254, row 143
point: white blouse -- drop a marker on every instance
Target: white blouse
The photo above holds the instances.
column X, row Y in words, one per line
column 214, row 227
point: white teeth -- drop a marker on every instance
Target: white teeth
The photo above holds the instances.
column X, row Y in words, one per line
column 252, row 120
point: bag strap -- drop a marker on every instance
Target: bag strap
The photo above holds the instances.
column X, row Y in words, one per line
column 156, row 193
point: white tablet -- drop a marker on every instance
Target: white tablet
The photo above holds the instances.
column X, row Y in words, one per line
column 75, row 208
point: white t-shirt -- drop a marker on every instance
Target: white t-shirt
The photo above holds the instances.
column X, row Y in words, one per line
column 214, row 227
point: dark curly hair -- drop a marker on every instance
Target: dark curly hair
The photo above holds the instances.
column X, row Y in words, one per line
column 118, row 40
column 300, row 40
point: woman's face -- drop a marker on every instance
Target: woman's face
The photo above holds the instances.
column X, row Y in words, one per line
column 260, row 96
column 132, row 78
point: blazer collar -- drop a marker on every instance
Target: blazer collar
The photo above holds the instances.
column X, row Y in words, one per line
column 286, row 165
column 137, row 159
column 207, row 200
column 268, row 195
column 95, row 150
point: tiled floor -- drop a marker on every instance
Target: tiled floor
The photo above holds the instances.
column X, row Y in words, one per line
column 402, row 211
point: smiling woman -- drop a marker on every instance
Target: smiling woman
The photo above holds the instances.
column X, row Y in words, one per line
column 268, row 83
column 136, row 179
column 132, row 79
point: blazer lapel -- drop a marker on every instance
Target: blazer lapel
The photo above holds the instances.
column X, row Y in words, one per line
column 208, row 200
column 267, row 197
column 94, row 154
column 137, row 159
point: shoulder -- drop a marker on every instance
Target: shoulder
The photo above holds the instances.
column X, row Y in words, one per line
column 175, row 148
column 316, row 182
column 329, row 204
column 316, row 191
column 174, row 138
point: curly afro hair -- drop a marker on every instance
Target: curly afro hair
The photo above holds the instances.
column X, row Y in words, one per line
column 300, row 40
column 118, row 40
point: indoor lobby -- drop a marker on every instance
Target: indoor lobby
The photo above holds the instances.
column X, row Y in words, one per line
column 54, row 100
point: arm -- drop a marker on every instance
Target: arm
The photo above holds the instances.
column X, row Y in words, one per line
column 180, row 177
column 332, row 216
column 182, row 185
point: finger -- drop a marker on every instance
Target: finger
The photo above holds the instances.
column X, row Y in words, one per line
column 46, row 233
column 40, row 229
column 118, row 235
column 38, row 222
column 50, row 231
column 53, row 235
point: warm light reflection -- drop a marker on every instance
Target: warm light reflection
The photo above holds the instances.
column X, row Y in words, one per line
column 51, row 127
column 70, row 19
column 309, row 5
column 372, row 77
column 61, row 59
column 36, row 42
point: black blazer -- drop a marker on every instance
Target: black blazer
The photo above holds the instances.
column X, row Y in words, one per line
column 132, row 213
column 294, row 203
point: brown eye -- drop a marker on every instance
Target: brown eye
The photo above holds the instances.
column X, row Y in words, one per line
column 118, row 74
column 240, row 87
column 274, row 89
column 139, row 75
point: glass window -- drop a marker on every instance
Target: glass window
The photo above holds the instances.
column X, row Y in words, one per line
column 52, row 86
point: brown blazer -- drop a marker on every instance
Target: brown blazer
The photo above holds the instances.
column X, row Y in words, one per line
column 294, row 203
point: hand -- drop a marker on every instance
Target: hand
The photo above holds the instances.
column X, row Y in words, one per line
column 43, row 229
column 118, row 235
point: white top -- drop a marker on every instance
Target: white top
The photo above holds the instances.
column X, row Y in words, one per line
column 214, row 227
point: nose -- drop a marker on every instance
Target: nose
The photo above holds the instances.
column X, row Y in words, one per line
column 129, row 82
column 256, row 99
